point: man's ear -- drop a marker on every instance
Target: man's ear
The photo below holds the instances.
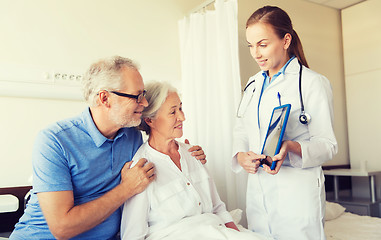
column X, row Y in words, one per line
column 148, row 121
column 103, row 98
column 287, row 41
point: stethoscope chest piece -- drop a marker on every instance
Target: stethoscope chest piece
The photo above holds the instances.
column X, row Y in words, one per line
column 304, row 118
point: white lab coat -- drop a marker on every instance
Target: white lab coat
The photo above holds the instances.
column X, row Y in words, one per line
column 173, row 196
column 290, row 204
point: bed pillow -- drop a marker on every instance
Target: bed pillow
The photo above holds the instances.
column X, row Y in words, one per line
column 333, row 210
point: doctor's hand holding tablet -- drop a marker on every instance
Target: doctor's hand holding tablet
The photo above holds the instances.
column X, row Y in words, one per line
column 275, row 140
column 274, row 150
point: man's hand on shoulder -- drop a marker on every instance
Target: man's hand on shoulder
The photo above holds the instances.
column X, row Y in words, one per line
column 197, row 152
column 137, row 178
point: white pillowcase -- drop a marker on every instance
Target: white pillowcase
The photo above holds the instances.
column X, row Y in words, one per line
column 333, row 210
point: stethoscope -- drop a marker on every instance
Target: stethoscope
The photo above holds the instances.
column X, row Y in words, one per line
column 304, row 117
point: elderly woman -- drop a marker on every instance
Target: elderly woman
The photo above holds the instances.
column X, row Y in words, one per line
column 182, row 203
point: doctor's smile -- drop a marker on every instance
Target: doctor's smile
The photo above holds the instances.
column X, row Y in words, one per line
column 262, row 62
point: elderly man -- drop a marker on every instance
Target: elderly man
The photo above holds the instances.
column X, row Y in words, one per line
column 81, row 166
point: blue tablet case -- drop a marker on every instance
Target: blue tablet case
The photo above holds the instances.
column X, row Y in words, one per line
column 275, row 131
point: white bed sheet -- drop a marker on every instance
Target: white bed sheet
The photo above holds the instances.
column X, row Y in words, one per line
column 349, row 226
column 206, row 226
column 340, row 225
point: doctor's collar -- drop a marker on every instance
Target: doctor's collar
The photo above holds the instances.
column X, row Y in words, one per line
column 281, row 71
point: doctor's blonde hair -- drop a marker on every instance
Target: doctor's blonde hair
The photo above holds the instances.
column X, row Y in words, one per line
column 281, row 23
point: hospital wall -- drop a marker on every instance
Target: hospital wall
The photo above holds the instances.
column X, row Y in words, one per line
column 362, row 51
column 72, row 34
column 68, row 36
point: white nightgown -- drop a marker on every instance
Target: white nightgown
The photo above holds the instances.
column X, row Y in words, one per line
column 178, row 204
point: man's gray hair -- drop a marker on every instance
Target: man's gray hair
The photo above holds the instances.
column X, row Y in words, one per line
column 104, row 75
column 157, row 93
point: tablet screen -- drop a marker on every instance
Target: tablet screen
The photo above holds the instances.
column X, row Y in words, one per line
column 275, row 130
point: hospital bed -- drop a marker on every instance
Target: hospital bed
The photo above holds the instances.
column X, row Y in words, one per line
column 12, row 200
column 339, row 224
column 342, row 225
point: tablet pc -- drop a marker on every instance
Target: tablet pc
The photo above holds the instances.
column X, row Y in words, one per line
column 274, row 135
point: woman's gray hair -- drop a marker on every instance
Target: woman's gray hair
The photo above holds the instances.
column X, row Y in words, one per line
column 104, row 75
column 157, row 93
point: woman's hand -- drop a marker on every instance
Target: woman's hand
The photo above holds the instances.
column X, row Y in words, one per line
column 287, row 146
column 232, row 226
column 249, row 161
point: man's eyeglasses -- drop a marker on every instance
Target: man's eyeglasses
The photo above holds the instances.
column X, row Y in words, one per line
column 139, row 97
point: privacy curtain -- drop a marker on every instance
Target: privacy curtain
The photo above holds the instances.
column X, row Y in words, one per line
column 211, row 91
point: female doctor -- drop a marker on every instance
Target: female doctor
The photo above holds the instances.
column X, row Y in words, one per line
column 289, row 201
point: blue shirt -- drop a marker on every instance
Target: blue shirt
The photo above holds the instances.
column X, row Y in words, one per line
column 72, row 155
column 266, row 82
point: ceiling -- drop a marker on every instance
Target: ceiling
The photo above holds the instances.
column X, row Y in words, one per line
column 337, row 4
